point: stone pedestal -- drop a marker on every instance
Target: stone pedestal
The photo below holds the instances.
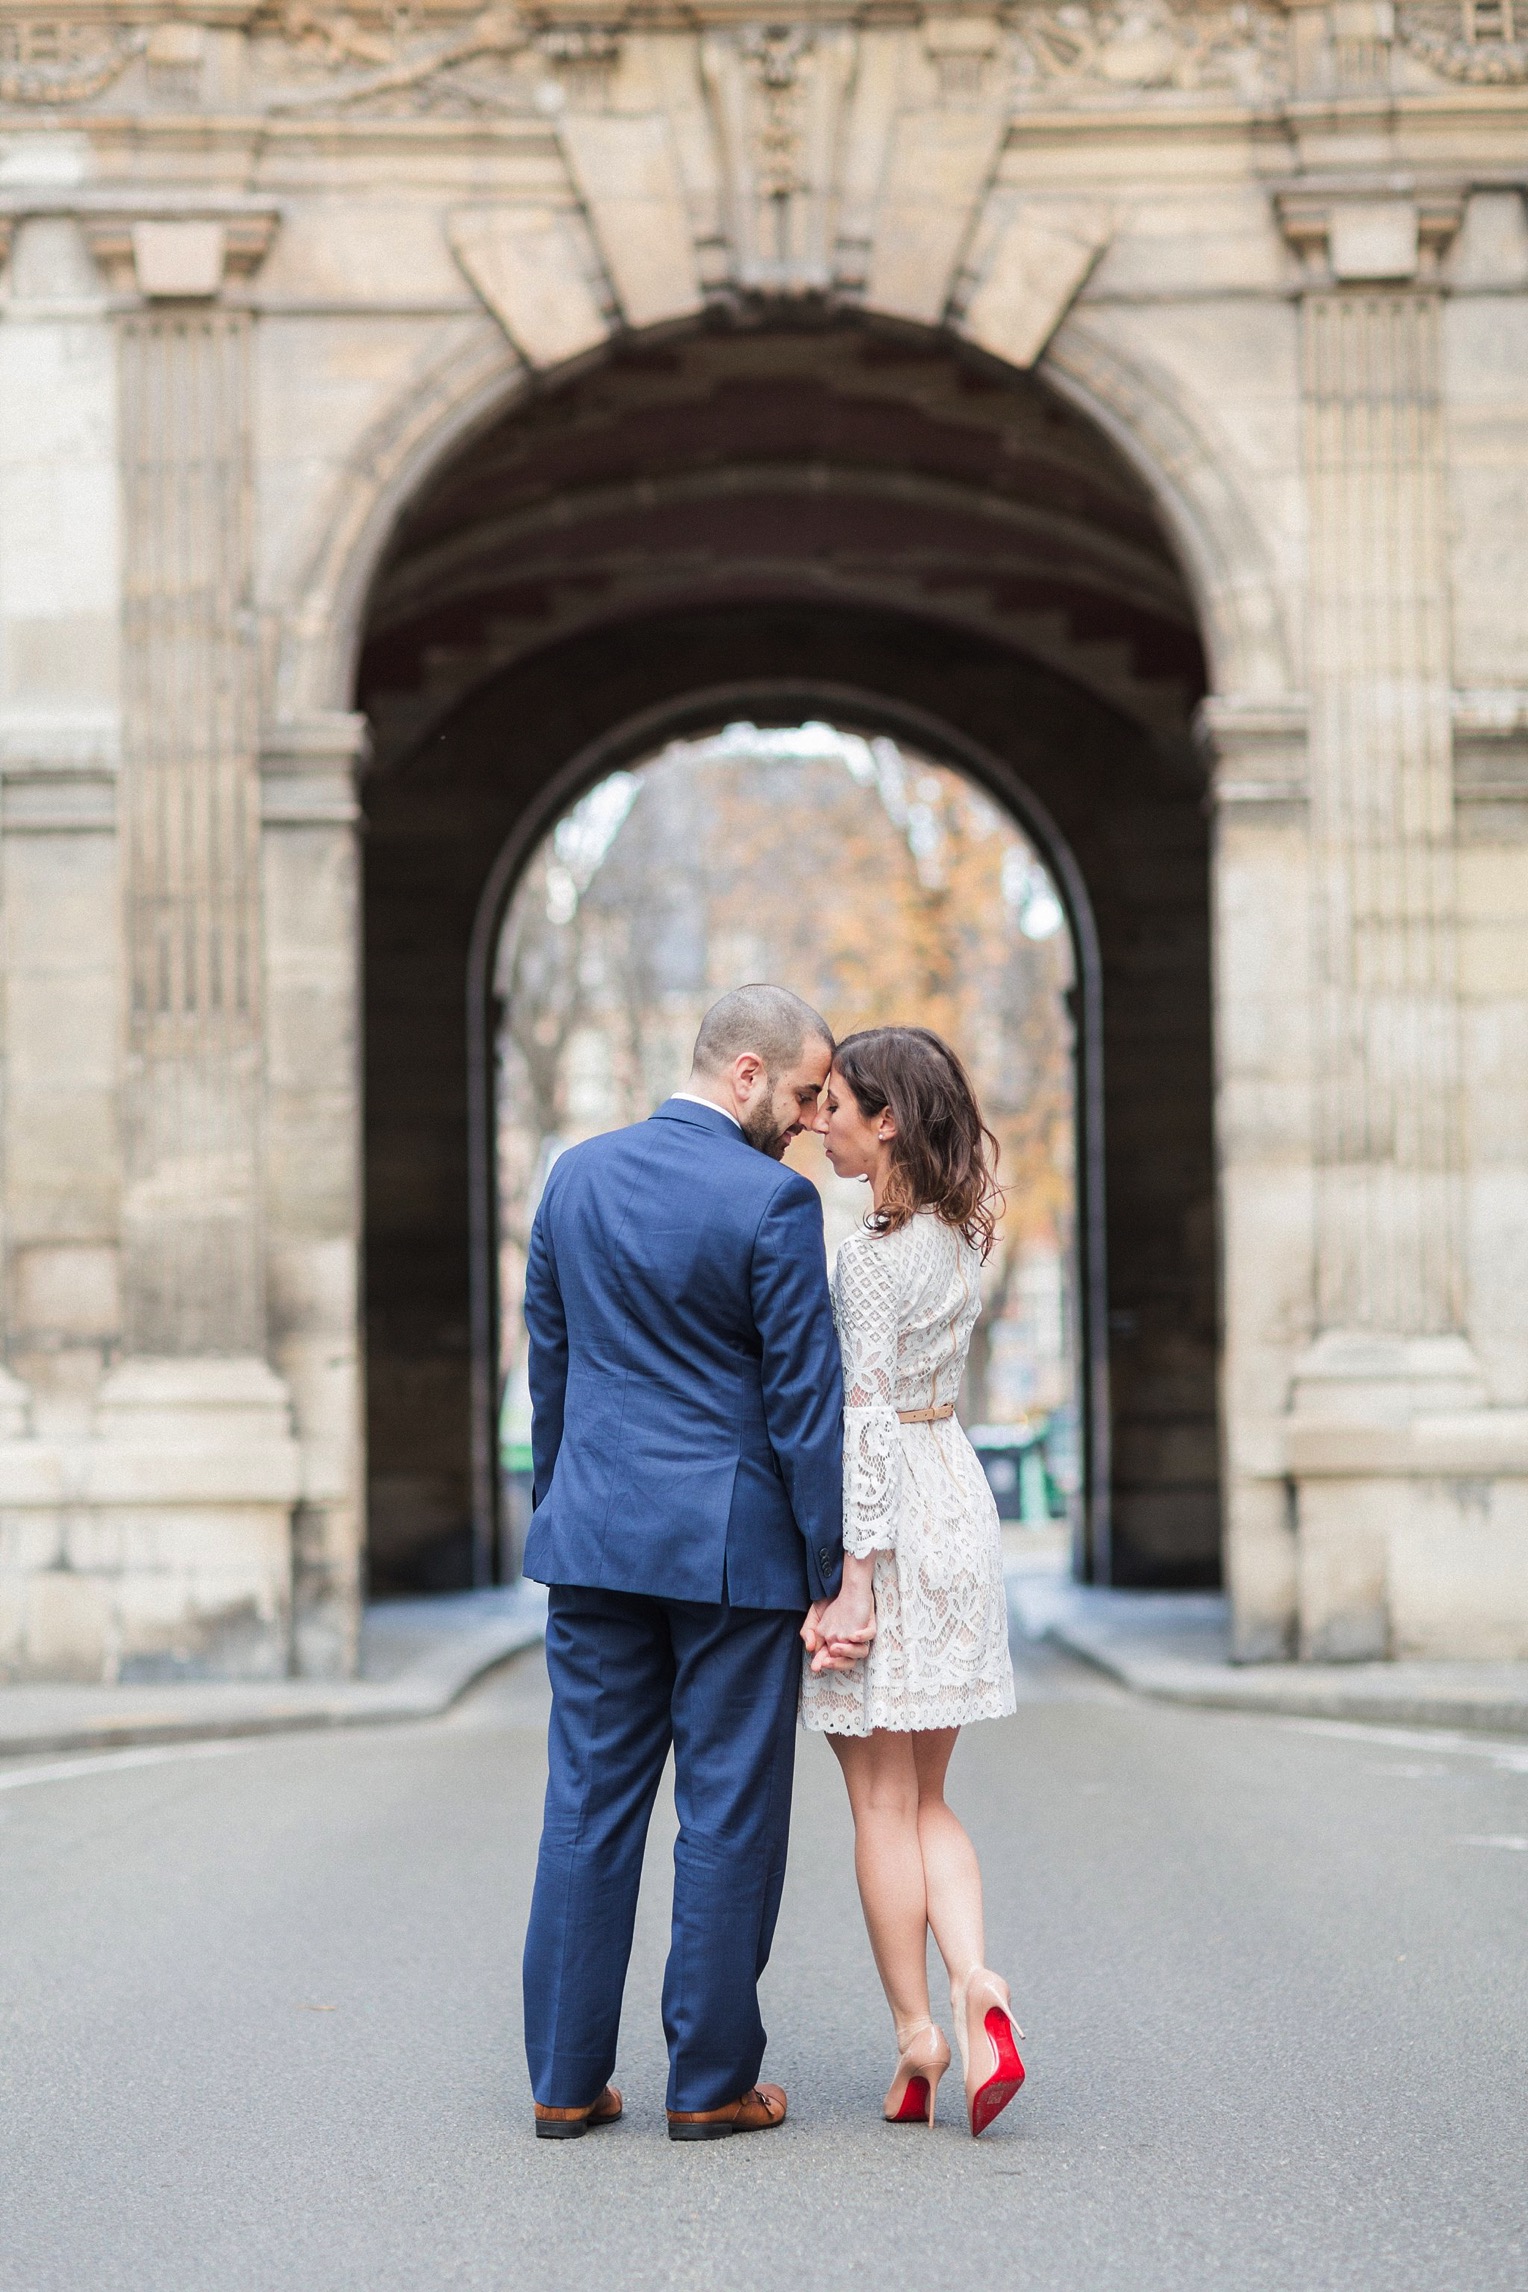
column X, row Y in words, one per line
column 1412, row 1501
column 159, row 1545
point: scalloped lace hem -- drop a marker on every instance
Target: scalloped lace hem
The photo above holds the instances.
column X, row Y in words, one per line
column 903, row 1714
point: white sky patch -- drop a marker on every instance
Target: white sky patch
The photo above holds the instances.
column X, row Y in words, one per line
column 582, row 838
column 1030, row 895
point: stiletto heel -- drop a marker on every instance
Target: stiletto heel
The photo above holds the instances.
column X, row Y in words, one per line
column 924, row 2060
column 987, row 2030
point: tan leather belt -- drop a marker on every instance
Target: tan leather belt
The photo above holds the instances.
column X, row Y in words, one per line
column 927, row 1416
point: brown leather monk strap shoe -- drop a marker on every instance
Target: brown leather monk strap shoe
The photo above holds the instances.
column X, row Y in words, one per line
column 572, row 2124
column 751, row 2112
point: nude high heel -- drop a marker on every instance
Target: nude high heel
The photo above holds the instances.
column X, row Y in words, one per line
column 986, row 2029
column 924, row 2060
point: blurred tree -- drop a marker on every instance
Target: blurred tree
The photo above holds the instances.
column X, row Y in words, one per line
column 882, row 887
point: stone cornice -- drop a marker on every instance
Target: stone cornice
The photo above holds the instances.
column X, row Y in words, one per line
column 184, row 252
column 1362, row 228
column 164, row 245
column 1139, row 114
column 308, row 770
column 1254, row 748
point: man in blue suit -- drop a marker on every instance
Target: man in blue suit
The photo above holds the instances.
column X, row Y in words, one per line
column 687, row 1437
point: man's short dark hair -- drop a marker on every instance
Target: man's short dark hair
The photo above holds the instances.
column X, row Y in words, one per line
column 769, row 1021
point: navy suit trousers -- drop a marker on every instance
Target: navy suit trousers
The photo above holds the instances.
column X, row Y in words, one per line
column 630, row 1675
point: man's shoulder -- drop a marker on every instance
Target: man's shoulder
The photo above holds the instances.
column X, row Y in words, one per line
column 713, row 1154
column 598, row 1148
column 656, row 1144
column 590, row 1157
column 788, row 1190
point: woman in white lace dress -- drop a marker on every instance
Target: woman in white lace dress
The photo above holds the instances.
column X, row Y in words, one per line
column 916, row 1644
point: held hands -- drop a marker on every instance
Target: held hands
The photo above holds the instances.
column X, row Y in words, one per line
column 838, row 1632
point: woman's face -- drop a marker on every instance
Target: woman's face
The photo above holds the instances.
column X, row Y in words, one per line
column 858, row 1146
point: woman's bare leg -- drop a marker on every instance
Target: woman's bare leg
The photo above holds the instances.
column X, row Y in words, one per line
column 882, row 1779
column 952, row 1878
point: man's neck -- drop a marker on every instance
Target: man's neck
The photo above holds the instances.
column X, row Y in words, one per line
column 701, row 1088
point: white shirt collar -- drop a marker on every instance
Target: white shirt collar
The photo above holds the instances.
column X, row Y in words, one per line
column 693, row 1098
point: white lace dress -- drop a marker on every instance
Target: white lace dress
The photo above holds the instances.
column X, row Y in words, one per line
column 914, row 1495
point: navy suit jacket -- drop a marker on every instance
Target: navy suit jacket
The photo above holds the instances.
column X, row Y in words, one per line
column 687, row 1399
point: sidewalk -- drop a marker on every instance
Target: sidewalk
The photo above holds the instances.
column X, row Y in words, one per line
column 1176, row 1646
column 417, row 1657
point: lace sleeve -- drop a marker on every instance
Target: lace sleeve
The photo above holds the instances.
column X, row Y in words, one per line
column 866, row 1298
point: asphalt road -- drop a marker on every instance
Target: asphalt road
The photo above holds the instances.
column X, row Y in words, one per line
column 259, row 2023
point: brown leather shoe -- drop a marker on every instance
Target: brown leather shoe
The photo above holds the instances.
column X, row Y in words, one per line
column 572, row 2124
column 751, row 2112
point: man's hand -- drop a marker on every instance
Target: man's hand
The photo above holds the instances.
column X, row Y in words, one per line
column 842, row 1629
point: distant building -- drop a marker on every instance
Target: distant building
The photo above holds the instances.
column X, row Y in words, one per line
column 408, row 417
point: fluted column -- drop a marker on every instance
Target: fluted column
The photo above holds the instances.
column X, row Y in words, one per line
column 194, row 1278
column 1381, row 797
column 1389, row 1303
column 193, row 1433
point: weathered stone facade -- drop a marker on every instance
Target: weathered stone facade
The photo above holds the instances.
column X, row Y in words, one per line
column 405, row 414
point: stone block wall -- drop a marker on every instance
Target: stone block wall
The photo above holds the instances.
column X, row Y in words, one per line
column 265, row 273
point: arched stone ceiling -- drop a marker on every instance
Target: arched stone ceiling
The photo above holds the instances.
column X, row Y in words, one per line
column 781, row 463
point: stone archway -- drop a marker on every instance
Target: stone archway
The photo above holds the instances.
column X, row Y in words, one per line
column 813, row 508
column 651, row 741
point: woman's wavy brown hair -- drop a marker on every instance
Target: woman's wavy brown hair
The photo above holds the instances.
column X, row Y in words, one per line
column 943, row 1157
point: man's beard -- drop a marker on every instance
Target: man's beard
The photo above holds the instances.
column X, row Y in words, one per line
column 762, row 1130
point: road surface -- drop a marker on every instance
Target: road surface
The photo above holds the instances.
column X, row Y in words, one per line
column 261, row 2023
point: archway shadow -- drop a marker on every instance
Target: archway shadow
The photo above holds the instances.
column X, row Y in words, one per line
column 1117, row 811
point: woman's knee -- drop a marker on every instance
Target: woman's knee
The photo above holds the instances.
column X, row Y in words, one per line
column 890, row 1803
column 883, row 1781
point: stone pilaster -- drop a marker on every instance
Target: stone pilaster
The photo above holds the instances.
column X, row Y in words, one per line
column 1387, row 1106
column 174, row 1553
column 59, row 749
column 193, row 1262
column 1256, row 752
column 1388, row 1301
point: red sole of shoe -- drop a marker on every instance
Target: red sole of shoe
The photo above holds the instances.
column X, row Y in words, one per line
column 914, row 2109
column 991, row 2099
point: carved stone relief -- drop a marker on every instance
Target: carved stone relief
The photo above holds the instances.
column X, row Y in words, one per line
column 778, row 99
column 1482, row 41
column 1075, row 48
column 583, row 58
column 321, row 61
column 43, row 61
column 777, row 88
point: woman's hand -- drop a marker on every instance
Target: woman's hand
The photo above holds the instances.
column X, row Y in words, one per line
column 842, row 1630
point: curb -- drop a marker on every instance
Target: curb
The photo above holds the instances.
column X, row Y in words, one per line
column 425, row 1691
column 1366, row 1699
